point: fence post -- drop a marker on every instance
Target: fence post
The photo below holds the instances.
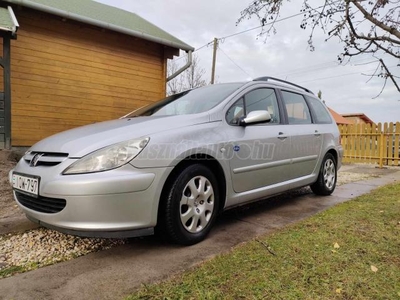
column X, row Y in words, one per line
column 381, row 149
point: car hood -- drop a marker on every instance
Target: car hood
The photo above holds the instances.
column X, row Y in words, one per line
column 80, row 141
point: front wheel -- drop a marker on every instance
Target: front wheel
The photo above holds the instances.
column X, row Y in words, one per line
column 326, row 182
column 191, row 205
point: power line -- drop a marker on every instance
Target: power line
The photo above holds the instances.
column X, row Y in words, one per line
column 294, row 71
column 196, row 50
column 273, row 22
column 250, row 29
column 336, row 76
column 308, row 69
column 266, row 24
column 326, row 65
column 205, row 45
column 234, row 62
column 322, row 67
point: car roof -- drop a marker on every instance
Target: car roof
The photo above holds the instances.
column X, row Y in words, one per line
column 276, row 82
column 282, row 83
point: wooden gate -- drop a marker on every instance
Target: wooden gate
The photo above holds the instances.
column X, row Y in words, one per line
column 371, row 143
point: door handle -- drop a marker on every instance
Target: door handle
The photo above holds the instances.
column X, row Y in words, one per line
column 282, row 136
column 316, row 133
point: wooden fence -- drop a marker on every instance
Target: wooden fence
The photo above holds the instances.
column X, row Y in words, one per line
column 376, row 143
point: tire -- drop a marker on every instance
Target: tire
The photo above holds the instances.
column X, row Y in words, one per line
column 326, row 182
column 189, row 210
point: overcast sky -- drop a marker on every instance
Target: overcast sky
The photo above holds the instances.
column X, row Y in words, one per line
column 285, row 55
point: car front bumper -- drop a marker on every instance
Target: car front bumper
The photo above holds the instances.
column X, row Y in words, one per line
column 118, row 203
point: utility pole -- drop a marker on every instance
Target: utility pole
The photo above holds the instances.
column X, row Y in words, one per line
column 214, row 59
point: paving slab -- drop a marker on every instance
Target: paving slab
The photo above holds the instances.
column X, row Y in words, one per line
column 115, row 273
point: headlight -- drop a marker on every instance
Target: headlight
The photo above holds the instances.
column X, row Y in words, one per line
column 108, row 158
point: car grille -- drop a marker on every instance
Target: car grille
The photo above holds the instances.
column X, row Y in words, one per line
column 41, row 204
column 46, row 159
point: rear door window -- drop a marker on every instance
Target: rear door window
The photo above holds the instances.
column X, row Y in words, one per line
column 296, row 108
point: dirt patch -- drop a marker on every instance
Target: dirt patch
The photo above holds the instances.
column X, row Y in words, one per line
column 8, row 207
column 347, row 177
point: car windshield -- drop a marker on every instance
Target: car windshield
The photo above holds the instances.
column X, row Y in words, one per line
column 188, row 102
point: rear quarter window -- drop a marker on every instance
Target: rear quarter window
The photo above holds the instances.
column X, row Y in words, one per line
column 319, row 111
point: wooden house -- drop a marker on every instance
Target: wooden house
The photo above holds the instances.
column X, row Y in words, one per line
column 75, row 62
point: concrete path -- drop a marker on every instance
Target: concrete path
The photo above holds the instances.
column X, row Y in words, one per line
column 117, row 272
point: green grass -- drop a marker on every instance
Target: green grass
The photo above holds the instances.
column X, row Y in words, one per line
column 7, row 272
column 301, row 260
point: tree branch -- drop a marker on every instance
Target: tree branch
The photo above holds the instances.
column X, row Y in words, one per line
column 363, row 27
column 378, row 23
column 386, row 50
column 389, row 74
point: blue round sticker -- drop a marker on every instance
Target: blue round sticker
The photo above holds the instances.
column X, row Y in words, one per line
column 236, row 148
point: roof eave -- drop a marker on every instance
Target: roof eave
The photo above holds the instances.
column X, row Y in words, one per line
column 361, row 116
column 101, row 24
column 13, row 26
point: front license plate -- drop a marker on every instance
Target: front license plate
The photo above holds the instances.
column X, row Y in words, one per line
column 25, row 183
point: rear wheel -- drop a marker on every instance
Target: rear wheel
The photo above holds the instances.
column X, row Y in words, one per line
column 326, row 182
column 190, row 206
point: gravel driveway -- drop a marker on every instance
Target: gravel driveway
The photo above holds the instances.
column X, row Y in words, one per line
column 35, row 248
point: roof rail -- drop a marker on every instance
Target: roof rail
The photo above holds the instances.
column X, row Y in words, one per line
column 266, row 78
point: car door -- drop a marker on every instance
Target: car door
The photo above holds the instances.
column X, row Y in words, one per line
column 259, row 154
column 306, row 140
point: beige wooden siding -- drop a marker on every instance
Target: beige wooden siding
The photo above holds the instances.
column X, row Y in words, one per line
column 66, row 74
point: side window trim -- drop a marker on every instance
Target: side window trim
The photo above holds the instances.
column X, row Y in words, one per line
column 282, row 110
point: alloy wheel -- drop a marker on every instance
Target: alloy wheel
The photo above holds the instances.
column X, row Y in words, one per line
column 329, row 173
column 197, row 204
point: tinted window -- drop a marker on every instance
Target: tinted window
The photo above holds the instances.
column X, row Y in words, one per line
column 189, row 102
column 296, row 108
column 260, row 99
column 321, row 114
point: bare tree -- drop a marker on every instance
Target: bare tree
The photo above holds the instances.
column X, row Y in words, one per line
column 189, row 79
column 174, row 86
column 363, row 26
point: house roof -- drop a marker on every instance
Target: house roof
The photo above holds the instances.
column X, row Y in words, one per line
column 7, row 20
column 338, row 118
column 104, row 16
column 359, row 115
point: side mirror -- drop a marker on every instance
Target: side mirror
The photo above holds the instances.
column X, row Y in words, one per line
column 254, row 117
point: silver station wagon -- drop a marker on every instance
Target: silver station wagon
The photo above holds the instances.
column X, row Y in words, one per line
column 174, row 165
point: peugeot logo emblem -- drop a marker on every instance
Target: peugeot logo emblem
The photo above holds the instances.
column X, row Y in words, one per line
column 35, row 159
